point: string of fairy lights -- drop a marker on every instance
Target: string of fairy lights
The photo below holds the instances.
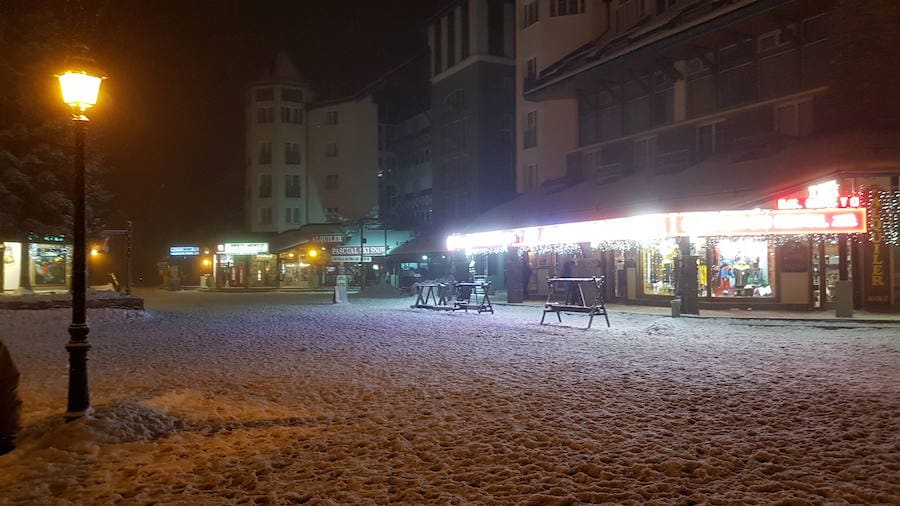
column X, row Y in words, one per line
column 883, row 208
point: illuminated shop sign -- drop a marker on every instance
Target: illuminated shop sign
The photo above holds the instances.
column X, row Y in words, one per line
column 243, row 248
column 355, row 251
column 820, row 196
column 328, row 238
column 181, row 251
column 658, row 226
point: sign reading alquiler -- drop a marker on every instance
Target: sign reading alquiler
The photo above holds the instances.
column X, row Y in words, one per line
column 243, row 248
column 659, row 226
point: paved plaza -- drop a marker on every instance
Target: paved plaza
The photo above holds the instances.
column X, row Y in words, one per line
column 283, row 398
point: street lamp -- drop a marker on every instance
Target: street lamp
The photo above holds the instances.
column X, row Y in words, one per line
column 80, row 85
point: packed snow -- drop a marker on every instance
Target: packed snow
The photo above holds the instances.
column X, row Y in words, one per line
column 275, row 398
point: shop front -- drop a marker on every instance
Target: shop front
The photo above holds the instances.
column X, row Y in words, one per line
column 772, row 257
column 245, row 265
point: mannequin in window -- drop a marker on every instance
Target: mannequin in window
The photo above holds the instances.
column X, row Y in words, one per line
column 726, row 279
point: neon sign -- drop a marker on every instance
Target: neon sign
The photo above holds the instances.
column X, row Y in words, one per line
column 820, row 196
column 833, row 220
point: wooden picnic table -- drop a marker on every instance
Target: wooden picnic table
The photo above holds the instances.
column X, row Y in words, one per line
column 573, row 298
column 464, row 293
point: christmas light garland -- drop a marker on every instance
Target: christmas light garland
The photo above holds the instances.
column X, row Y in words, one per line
column 884, row 213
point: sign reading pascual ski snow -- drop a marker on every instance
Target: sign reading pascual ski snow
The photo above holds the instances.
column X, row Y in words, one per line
column 371, row 251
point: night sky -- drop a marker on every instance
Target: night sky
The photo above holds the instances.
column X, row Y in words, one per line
column 173, row 104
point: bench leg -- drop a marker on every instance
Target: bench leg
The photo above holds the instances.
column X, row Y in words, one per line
column 590, row 320
column 607, row 318
column 559, row 317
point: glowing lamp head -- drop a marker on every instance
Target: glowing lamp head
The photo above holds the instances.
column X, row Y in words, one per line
column 313, row 253
column 95, row 251
column 79, row 88
column 205, row 262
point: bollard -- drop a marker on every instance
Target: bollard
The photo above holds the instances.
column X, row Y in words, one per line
column 676, row 308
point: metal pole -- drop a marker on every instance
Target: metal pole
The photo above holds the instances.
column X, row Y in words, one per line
column 128, row 257
column 79, row 395
column 362, row 270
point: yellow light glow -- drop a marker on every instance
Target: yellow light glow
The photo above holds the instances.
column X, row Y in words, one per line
column 79, row 89
column 205, row 262
column 94, row 252
column 313, row 253
column 290, row 255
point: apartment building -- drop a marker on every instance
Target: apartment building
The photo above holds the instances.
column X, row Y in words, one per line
column 472, row 74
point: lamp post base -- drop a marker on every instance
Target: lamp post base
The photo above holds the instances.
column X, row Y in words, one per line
column 79, row 394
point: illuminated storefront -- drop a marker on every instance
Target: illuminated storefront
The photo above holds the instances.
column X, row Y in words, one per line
column 761, row 255
column 246, row 265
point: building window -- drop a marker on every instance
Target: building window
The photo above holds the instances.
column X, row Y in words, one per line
column 664, row 5
column 292, row 215
column 644, row 152
column 265, row 94
column 291, row 95
column 707, row 140
column 291, row 153
column 265, row 186
column 454, row 135
column 566, row 7
column 531, row 175
column 331, row 118
column 451, row 38
column 773, row 40
column 455, row 102
column 292, row 186
column 265, row 215
column 628, row 13
column 795, row 119
column 265, row 115
column 331, row 150
column 332, row 214
column 464, row 30
column 506, row 129
column 265, row 153
column 292, row 115
column 530, row 73
column 332, row 182
column 529, row 14
column 530, row 132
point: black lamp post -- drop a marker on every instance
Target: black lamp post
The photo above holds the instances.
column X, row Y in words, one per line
column 80, row 87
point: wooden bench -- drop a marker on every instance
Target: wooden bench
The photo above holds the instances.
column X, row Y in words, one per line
column 573, row 298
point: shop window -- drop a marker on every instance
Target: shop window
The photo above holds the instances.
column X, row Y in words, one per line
column 741, row 268
column 658, row 265
column 48, row 263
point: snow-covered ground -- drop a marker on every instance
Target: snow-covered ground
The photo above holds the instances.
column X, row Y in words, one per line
column 274, row 398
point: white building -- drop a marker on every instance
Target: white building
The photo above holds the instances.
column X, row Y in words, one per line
column 307, row 162
column 548, row 30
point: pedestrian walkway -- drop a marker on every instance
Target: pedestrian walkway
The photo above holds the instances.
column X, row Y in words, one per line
column 748, row 314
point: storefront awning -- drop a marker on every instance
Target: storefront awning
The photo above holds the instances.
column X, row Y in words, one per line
column 325, row 233
column 422, row 244
column 717, row 184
